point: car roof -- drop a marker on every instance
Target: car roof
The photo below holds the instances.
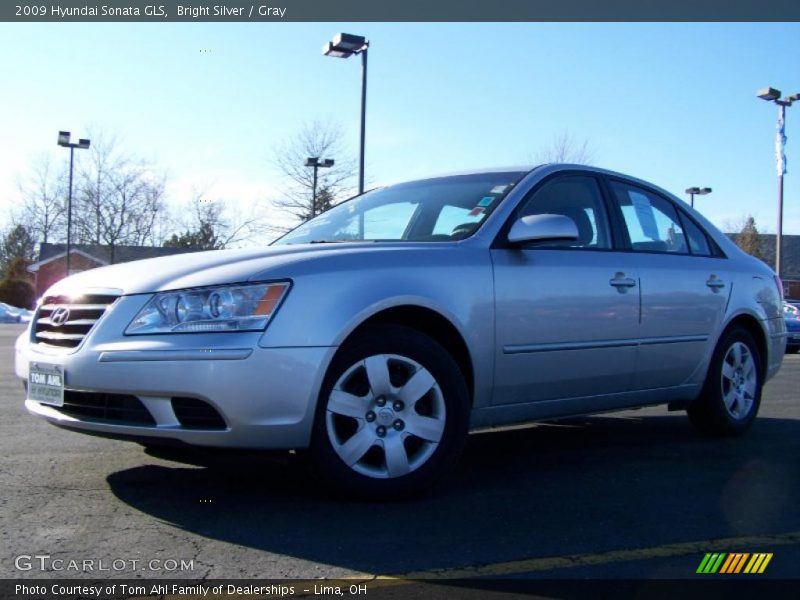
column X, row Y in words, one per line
column 545, row 169
column 521, row 169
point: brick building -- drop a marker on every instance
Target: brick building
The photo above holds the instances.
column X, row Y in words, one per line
column 52, row 263
column 790, row 260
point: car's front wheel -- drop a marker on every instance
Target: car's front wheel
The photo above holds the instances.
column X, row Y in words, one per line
column 731, row 395
column 393, row 414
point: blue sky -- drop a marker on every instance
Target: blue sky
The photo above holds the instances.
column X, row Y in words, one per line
column 671, row 103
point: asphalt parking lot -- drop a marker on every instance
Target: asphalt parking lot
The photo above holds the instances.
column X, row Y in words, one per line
column 629, row 495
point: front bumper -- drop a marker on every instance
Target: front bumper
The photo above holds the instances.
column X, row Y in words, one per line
column 266, row 396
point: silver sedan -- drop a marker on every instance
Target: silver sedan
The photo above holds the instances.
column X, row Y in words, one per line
column 378, row 334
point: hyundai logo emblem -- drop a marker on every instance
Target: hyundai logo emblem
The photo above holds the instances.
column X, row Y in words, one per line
column 59, row 316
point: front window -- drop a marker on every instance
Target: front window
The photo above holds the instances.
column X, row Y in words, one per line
column 430, row 210
column 579, row 198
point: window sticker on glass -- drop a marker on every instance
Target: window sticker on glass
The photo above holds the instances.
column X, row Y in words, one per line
column 486, row 201
column 499, row 189
column 475, row 211
column 644, row 212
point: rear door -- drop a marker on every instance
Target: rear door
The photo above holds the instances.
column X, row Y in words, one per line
column 685, row 285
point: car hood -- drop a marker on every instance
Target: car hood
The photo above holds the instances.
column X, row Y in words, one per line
column 198, row 269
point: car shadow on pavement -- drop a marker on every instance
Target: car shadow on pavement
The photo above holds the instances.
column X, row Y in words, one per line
column 576, row 486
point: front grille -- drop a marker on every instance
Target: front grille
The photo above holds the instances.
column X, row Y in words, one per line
column 120, row 409
column 63, row 321
column 196, row 414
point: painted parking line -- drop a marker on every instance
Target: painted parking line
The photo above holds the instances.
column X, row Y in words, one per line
column 518, row 567
column 533, row 565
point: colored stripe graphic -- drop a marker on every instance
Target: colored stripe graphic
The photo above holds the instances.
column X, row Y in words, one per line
column 717, row 563
column 740, row 563
column 755, row 562
column 728, row 562
column 734, row 563
column 711, row 563
column 703, row 563
column 765, row 563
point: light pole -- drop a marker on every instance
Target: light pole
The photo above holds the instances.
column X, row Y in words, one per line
column 344, row 45
column 316, row 163
column 696, row 191
column 83, row 144
column 772, row 95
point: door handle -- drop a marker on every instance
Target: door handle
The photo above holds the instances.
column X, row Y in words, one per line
column 620, row 281
column 715, row 283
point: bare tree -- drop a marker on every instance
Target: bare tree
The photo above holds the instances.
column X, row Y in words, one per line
column 44, row 201
column 203, row 234
column 212, row 224
column 564, row 148
column 315, row 139
column 118, row 199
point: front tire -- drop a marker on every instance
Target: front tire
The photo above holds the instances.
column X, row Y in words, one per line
column 392, row 416
column 731, row 395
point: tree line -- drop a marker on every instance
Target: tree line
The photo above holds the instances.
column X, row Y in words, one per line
column 120, row 200
column 117, row 199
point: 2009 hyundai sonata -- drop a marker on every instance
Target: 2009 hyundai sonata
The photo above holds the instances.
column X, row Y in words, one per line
column 379, row 333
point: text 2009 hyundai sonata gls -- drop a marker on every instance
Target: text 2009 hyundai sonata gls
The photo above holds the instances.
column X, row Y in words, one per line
column 379, row 333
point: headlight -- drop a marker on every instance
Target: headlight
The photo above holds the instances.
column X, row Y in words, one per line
column 224, row 308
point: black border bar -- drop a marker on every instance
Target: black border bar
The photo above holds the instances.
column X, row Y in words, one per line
column 399, row 10
column 700, row 588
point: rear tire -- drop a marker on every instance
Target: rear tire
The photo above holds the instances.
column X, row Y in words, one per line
column 731, row 395
column 392, row 415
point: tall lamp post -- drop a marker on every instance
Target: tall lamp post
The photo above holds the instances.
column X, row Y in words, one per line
column 696, row 191
column 316, row 163
column 772, row 95
column 344, row 45
column 83, row 144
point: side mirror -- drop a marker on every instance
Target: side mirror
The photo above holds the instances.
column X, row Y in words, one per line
column 538, row 228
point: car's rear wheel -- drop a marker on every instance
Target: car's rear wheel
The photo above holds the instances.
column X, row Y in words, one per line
column 393, row 414
column 731, row 396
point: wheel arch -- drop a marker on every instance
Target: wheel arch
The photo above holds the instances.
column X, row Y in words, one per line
column 431, row 323
column 753, row 326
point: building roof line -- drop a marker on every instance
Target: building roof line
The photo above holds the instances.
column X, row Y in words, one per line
column 33, row 268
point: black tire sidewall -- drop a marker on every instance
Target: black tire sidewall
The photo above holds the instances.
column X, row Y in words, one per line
column 709, row 412
column 410, row 343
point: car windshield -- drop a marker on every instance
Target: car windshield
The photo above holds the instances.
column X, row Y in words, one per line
column 430, row 210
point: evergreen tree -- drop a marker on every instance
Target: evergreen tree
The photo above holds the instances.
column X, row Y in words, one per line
column 749, row 239
column 16, row 243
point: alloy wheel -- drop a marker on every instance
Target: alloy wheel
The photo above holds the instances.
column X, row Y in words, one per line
column 385, row 416
column 739, row 380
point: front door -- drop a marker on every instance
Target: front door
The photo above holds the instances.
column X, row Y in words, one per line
column 567, row 313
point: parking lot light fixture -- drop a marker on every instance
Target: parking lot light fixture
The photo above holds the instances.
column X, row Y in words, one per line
column 772, row 95
column 317, row 163
column 768, row 93
column 82, row 144
column 345, row 45
column 697, row 191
